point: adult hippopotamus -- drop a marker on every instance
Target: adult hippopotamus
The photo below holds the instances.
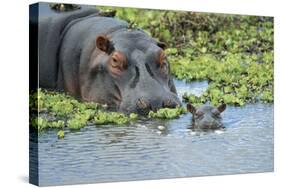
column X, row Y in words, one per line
column 101, row 59
column 206, row 117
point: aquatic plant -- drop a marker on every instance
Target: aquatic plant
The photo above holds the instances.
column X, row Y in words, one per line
column 133, row 116
column 236, row 60
column 39, row 123
column 56, row 124
column 167, row 113
column 60, row 134
column 233, row 52
column 235, row 79
column 78, row 121
column 62, row 108
column 111, row 118
column 59, row 110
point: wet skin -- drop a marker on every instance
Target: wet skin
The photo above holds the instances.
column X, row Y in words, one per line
column 206, row 117
column 101, row 60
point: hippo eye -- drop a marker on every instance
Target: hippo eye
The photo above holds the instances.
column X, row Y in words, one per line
column 162, row 63
column 115, row 63
column 118, row 61
column 164, row 66
column 215, row 113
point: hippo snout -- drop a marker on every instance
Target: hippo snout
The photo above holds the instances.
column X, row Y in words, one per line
column 145, row 105
column 169, row 103
column 209, row 124
column 206, row 117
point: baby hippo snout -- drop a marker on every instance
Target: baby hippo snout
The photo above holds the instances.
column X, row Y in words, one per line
column 209, row 123
column 206, row 117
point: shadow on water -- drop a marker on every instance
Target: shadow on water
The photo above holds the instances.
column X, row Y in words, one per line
column 154, row 149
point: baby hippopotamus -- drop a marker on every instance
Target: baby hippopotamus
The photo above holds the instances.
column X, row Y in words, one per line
column 206, row 117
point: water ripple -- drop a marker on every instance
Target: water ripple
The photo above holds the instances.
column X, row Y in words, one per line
column 141, row 151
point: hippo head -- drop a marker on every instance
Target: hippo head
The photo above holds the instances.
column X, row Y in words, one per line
column 130, row 72
column 206, row 117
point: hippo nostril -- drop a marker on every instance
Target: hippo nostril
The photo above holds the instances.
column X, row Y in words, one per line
column 142, row 104
column 170, row 103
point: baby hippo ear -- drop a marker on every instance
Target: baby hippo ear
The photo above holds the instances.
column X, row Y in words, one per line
column 103, row 43
column 162, row 45
column 191, row 108
column 221, row 108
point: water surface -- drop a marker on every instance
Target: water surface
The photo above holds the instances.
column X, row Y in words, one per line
column 141, row 151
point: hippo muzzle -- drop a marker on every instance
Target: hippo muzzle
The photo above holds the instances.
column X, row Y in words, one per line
column 150, row 87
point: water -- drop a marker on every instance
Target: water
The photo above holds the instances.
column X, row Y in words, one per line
column 146, row 151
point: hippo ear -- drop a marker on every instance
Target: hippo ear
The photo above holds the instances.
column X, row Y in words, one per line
column 191, row 108
column 221, row 108
column 162, row 45
column 103, row 43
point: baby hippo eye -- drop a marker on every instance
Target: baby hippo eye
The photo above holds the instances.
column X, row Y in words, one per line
column 199, row 114
column 216, row 113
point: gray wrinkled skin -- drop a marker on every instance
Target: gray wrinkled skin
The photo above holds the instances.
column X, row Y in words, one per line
column 79, row 63
column 206, row 117
column 143, row 86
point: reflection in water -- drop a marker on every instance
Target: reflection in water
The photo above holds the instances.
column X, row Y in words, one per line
column 160, row 149
column 197, row 88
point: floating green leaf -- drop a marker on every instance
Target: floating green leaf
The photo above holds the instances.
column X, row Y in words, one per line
column 60, row 134
column 167, row 113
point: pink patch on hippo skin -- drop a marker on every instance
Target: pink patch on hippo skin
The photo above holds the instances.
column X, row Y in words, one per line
column 117, row 63
column 71, row 85
column 162, row 62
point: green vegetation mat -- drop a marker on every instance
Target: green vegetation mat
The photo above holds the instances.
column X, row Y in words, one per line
column 58, row 110
column 167, row 113
column 237, row 60
column 233, row 52
column 50, row 109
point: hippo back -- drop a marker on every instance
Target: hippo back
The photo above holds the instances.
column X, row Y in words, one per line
column 78, row 45
column 51, row 29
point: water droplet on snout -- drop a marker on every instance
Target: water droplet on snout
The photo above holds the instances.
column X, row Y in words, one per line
column 141, row 126
column 159, row 132
column 192, row 133
column 161, row 128
column 219, row 131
